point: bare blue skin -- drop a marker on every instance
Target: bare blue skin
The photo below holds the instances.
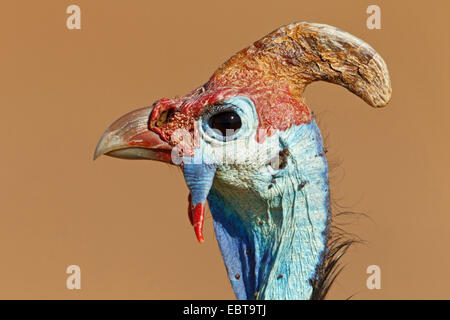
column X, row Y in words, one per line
column 270, row 226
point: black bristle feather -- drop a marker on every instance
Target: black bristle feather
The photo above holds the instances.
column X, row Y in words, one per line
column 338, row 242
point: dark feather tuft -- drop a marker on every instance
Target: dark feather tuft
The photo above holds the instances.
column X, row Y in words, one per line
column 338, row 242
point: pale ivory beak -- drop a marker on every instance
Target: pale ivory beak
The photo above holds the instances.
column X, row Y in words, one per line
column 129, row 138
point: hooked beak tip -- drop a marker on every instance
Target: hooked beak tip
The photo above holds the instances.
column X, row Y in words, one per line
column 98, row 151
column 104, row 145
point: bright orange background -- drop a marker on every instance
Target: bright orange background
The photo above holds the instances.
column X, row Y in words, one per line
column 125, row 223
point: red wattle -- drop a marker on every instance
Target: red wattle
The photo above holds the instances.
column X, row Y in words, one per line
column 196, row 215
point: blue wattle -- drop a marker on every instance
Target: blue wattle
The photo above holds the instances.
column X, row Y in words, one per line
column 199, row 176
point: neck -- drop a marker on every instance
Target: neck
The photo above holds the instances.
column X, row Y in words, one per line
column 273, row 242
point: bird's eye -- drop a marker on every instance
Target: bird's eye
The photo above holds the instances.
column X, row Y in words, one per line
column 227, row 122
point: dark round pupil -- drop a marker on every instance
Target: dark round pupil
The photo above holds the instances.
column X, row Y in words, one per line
column 225, row 120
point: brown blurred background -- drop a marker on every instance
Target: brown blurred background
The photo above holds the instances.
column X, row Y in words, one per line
column 125, row 223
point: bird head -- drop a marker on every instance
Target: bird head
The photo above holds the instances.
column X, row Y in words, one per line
column 247, row 143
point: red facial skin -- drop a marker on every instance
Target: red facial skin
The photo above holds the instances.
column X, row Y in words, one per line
column 276, row 107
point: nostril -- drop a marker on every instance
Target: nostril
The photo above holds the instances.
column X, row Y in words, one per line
column 163, row 117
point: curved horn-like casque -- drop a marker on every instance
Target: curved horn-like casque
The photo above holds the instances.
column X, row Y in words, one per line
column 300, row 53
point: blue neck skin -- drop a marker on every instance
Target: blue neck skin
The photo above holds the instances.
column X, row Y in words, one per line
column 272, row 238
